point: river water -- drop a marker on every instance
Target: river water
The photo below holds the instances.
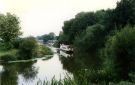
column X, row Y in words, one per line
column 28, row 73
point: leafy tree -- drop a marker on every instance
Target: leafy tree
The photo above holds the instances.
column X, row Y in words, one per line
column 119, row 54
column 89, row 43
column 63, row 39
column 9, row 28
column 16, row 43
column 27, row 48
column 125, row 13
column 77, row 25
column 50, row 36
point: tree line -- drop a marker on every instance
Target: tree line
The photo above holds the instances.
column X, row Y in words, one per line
column 14, row 47
column 106, row 39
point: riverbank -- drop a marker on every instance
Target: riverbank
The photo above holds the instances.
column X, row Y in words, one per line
column 46, row 57
column 69, row 81
column 28, row 73
column 12, row 55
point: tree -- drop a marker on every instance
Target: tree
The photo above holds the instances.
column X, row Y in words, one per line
column 125, row 13
column 9, row 28
column 87, row 45
column 50, row 36
column 77, row 25
column 28, row 48
column 119, row 54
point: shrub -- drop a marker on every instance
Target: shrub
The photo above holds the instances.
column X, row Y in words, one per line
column 16, row 43
column 8, row 57
column 27, row 48
column 43, row 50
column 86, row 46
column 119, row 54
column 56, row 44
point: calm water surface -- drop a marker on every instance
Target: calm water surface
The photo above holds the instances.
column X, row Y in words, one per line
column 28, row 73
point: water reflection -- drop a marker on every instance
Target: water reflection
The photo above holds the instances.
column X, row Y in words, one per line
column 74, row 63
column 64, row 54
column 28, row 73
column 70, row 64
column 9, row 75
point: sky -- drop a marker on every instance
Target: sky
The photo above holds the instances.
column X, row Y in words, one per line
column 38, row 17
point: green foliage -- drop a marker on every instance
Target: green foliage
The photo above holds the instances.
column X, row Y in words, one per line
column 87, row 32
column 90, row 32
column 16, row 43
column 125, row 13
column 8, row 57
column 9, row 29
column 27, row 48
column 9, row 76
column 63, row 39
column 83, row 78
column 56, row 44
column 5, row 52
column 75, row 26
column 50, row 36
column 43, row 50
column 87, row 45
column 119, row 54
column 91, row 40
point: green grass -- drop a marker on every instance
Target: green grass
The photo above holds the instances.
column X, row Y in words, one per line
column 9, row 55
column 44, row 50
column 9, row 52
column 78, row 82
column 69, row 81
column 12, row 55
column 83, row 77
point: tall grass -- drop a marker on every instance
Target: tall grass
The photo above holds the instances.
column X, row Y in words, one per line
column 12, row 51
column 74, row 82
column 83, row 78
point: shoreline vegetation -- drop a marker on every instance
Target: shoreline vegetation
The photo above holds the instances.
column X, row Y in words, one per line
column 46, row 57
column 69, row 81
column 7, row 56
column 103, row 41
column 14, row 54
column 12, row 46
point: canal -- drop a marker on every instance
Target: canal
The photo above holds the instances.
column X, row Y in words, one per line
column 29, row 73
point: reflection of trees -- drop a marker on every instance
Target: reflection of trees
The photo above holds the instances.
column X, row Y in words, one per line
column 28, row 71
column 73, row 64
column 77, row 66
column 70, row 64
column 89, row 61
column 9, row 75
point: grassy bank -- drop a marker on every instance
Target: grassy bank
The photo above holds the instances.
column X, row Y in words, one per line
column 8, row 55
column 43, row 50
column 69, row 81
column 8, row 52
column 12, row 55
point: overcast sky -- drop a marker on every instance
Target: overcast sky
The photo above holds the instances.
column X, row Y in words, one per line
column 38, row 17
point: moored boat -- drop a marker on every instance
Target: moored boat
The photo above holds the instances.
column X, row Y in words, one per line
column 66, row 48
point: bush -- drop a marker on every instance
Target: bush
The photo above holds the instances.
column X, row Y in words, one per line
column 56, row 44
column 119, row 54
column 43, row 50
column 86, row 46
column 27, row 48
column 8, row 57
column 16, row 43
